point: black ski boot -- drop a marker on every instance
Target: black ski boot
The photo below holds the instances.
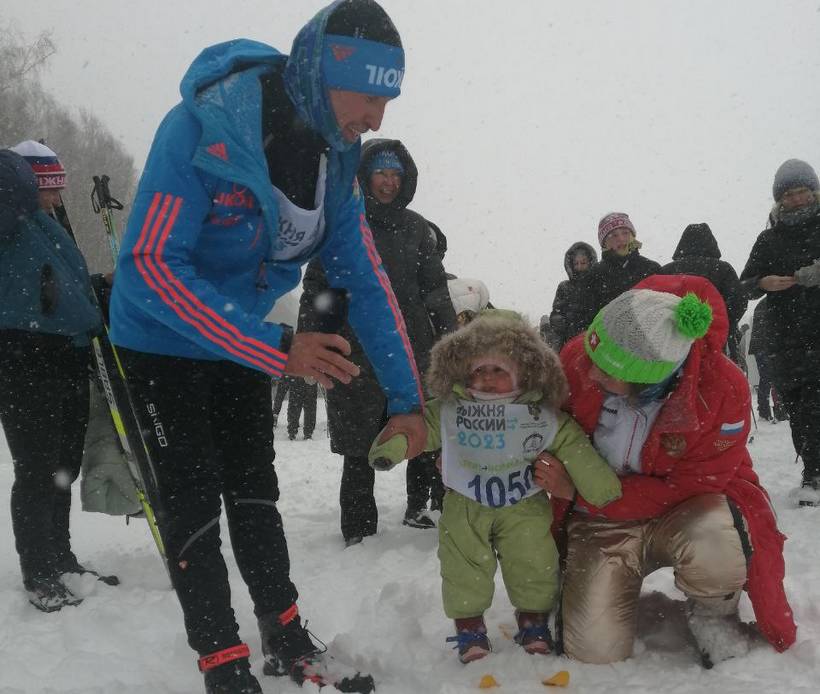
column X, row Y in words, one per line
column 228, row 672
column 49, row 594
column 289, row 650
column 809, row 492
column 418, row 518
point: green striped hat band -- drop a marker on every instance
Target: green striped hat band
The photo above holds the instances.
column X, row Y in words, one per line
column 619, row 363
column 642, row 336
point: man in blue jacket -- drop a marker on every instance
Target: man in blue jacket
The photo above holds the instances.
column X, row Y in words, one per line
column 249, row 177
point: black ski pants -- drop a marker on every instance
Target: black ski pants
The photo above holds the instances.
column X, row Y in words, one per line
column 424, row 482
column 44, row 410
column 282, row 387
column 802, row 403
column 302, row 398
column 764, row 386
column 210, row 436
column 360, row 516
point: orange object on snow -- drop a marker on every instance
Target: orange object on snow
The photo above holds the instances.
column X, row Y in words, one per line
column 559, row 679
column 488, row 682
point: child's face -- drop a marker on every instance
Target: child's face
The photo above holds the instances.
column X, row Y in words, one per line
column 489, row 378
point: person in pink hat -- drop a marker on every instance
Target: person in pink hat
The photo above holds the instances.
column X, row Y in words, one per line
column 621, row 268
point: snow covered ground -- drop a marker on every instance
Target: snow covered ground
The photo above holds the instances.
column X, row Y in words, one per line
column 377, row 603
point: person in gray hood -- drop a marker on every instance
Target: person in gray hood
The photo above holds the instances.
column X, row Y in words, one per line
column 579, row 258
column 357, row 410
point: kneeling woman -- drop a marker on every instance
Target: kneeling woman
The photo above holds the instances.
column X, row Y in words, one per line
column 670, row 413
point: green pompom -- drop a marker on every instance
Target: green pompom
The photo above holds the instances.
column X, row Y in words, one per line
column 693, row 316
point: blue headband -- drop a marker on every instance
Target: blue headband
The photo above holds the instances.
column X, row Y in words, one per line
column 359, row 65
column 306, row 82
column 386, row 159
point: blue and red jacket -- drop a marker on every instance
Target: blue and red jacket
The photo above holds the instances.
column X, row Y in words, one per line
column 196, row 277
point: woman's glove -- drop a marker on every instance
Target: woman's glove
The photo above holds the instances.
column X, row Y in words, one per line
column 809, row 275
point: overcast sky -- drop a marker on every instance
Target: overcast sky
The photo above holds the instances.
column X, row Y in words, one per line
column 528, row 119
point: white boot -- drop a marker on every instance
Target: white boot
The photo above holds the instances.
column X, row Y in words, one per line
column 718, row 637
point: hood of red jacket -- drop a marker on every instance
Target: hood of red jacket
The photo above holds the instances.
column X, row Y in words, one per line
column 681, row 285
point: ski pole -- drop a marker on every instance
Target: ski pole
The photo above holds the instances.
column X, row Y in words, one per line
column 103, row 203
column 754, row 419
column 120, row 399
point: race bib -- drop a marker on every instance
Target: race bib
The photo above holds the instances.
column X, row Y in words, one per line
column 300, row 230
column 488, row 448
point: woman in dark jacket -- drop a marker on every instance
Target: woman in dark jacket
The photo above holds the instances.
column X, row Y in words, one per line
column 784, row 266
column 357, row 411
column 622, row 266
column 579, row 259
column 698, row 254
column 46, row 316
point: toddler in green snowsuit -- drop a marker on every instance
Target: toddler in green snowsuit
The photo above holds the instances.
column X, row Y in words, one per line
column 498, row 389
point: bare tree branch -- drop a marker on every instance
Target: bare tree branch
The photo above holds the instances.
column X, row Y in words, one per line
column 84, row 145
column 19, row 59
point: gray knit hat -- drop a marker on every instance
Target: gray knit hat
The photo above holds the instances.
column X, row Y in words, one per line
column 642, row 336
column 794, row 173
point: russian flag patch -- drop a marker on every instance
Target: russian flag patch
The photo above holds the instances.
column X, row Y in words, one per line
column 731, row 428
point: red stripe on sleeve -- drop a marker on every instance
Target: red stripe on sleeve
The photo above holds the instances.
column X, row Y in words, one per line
column 143, row 257
column 205, row 312
column 392, row 302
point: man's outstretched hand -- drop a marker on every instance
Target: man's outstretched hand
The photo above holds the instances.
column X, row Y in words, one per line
column 322, row 357
column 413, row 428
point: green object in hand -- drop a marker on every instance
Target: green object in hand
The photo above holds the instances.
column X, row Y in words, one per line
column 386, row 455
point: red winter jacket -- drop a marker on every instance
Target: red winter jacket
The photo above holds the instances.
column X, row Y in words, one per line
column 694, row 449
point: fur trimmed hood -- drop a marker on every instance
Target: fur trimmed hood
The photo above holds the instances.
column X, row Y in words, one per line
column 508, row 335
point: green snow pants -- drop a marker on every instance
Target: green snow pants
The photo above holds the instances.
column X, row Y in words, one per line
column 473, row 539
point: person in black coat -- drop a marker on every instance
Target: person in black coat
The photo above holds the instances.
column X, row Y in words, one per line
column 47, row 319
column 281, row 387
column 579, row 259
column 760, row 347
column 302, row 398
column 357, row 411
column 698, row 254
column 621, row 268
column 783, row 265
